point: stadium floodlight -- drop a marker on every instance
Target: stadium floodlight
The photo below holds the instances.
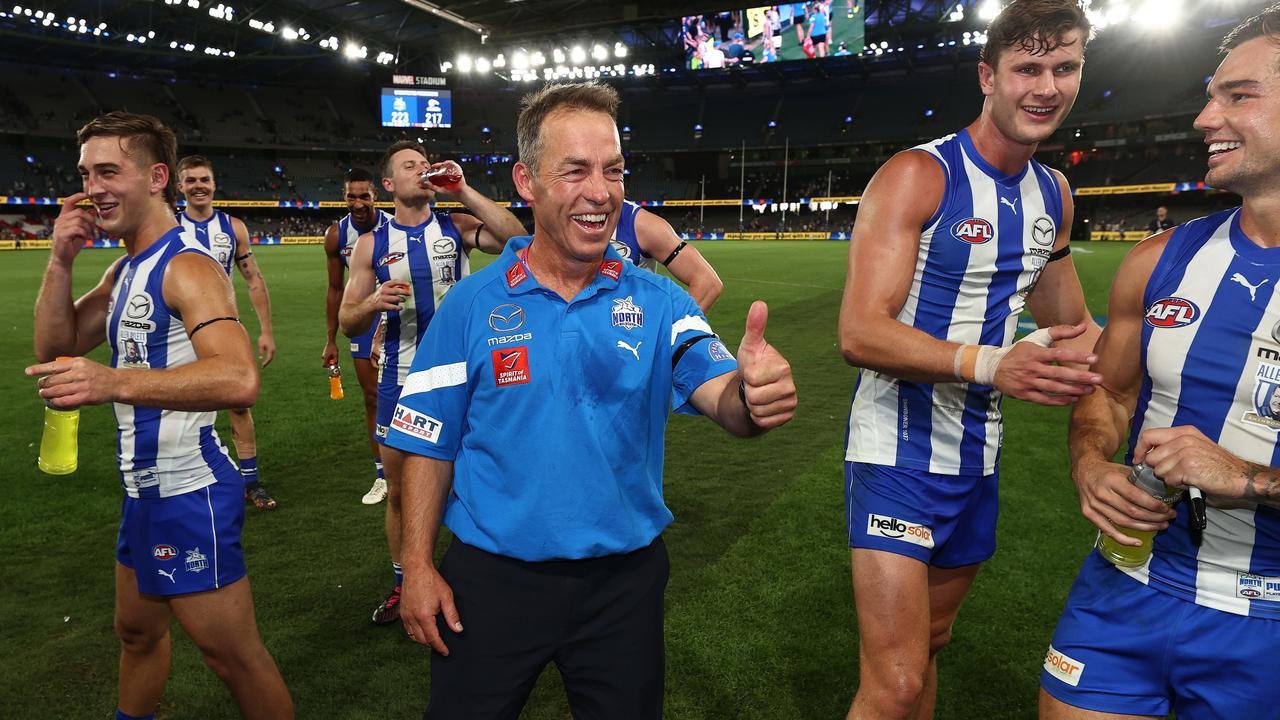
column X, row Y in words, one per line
column 619, row 50
column 385, row 58
column 956, row 15
column 558, row 56
column 577, row 55
column 351, row 50
column 988, row 10
column 1117, row 13
column 17, row 9
column 548, row 73
column 1159, row 15
column 520, row 60
column 173, row 44
column 600, row 53
column 538, row 59
column 193, row 4
column 446, row 66
column 151, row 33
column 482, row 65
column 463, row 64
column 288, row 33
column 500, row 61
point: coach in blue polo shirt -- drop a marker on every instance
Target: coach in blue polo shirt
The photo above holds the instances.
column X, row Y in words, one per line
column 534, row 416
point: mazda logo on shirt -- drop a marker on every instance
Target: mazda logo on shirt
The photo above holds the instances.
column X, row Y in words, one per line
column 506, row 318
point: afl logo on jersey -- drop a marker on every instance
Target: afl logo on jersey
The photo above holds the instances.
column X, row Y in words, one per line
column 1172, row 312
column 390, row 258
column 974, row 231
column 346, row 251
column 164, row 552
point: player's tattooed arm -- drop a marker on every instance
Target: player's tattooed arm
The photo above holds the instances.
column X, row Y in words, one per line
column 1262, row 485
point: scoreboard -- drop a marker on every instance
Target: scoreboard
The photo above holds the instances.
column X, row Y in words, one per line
column 416, row 107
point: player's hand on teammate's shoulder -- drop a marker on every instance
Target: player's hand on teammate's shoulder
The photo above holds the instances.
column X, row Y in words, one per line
column 424, row 596
column 1183, row 456
column 1029, row 371
column 73, row 382
column 73, row 227
column 1108, row 499
column 767, row 383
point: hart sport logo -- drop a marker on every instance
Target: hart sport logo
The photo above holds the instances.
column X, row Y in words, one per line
column 895, row 529
column 974, row 231
column 415, row 423
column 1172, row 312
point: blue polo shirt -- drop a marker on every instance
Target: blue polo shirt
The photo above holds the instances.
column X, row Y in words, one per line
column 554, row 412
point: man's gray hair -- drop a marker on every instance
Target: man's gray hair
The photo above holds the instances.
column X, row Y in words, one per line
column 536, row 107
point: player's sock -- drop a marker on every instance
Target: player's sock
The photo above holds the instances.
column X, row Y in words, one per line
column 122, row 715
column 377, row 466
column 249, row 471
column 399, row 571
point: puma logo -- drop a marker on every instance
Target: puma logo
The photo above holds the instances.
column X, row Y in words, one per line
column 168, row 575
column 1253, row 289
column 1012, row 205
column 634, row 350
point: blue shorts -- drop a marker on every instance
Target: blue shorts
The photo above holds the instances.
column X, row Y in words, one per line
column 1123, row 647
column 388, row 396
column 362, row 344
column 941, row 520
column 186, row 543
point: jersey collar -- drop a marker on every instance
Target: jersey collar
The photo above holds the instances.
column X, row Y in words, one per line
column 519, row 280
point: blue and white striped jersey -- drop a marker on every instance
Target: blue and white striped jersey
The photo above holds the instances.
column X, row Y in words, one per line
column 625, row 242
column 348, row 233
column 431, row 258
column 162, row 453
column 217, row 235
column 980, row 256
column 1211, row 359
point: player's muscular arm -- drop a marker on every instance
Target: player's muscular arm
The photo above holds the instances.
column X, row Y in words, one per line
column 257, row 287
column 1100, row 422
column 332, row 295
column 364, row 298
column 425, row 487
column 64, row 326
column 658, row 240
column 898, row 202
column 224, row 374
column 1058, row 298
column 499, row 224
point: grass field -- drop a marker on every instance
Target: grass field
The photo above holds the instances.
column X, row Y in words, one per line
column 760, row 619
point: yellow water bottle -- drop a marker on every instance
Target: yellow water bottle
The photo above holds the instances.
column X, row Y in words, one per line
column 59, row 448
column 335, row 382
column 1126, row 556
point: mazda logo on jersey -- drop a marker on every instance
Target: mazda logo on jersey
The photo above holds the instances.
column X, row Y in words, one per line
column 1043, row 231
column 443, row 245
column 390, row 258
column 506, row 318
column 1172, row 312
column 139, row 306
column 222, row 239
column 973, row 230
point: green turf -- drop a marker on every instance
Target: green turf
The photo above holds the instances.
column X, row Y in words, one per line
column 760, row 614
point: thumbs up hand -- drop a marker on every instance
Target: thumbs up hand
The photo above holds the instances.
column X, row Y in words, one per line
column 768, row 389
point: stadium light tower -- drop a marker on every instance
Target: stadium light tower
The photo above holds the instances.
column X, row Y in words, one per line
column 989, row 10
column 1159, row 15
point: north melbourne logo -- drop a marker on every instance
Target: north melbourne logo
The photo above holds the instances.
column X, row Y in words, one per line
column 196, row 562
column 627, row 314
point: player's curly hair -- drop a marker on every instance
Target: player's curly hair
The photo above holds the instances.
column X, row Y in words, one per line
column 536, row 107
column 1264, row 24
column 150, row 142
column 1037, row 26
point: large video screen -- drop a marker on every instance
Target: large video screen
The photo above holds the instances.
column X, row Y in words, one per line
column 773, row 33
column 414, row 107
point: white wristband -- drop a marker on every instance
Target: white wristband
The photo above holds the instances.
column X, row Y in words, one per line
column 984, row 371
